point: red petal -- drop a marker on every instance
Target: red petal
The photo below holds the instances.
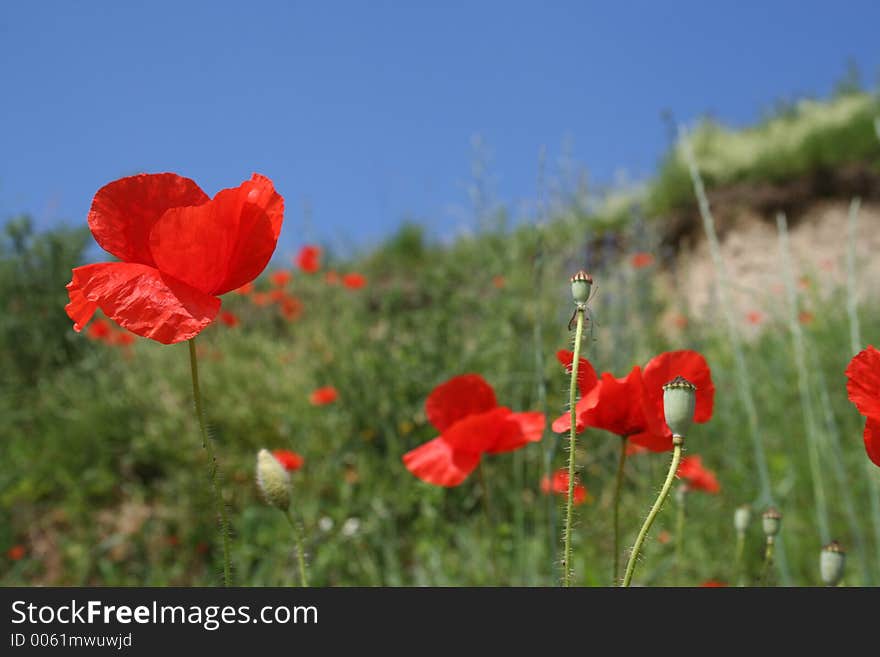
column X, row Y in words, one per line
column 457, row 398
column 518, row 430
column 872, row 440
column 653, row 440
column 220, row 245
column 616, row 405
column 562, row 424
column 123, row 212
column 438, row 463
column 586, row 372
column 141, row 299
column 661, row 369
column 481, row 432
column 863, row 386
column 699, row 478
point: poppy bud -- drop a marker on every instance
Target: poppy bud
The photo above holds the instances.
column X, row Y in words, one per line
column 581, row 284
column 741, row 518
column 771, row 521
column 679, row 401
column 831, row 563
column 273, row 480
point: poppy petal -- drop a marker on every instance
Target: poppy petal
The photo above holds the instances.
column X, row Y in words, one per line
column 616, row 405
column 141, row 299
column 219, row 246
column 655, row 441
column 872, row 440
column 863, row 385
column 661, row 369
column 480, row 432
column 518, row 430
column 562, row 424
column 587, row 378
column 438, row 463
column 123, row 212
column 459, row 397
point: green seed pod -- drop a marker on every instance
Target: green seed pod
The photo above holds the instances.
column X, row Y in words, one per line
column 741, row 518
column 771, row 521
column 679, row 401
column 273, row 480
column 831, row 563
column 581, row 284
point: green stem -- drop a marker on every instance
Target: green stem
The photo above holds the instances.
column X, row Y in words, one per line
column 300, row 551
column 652, row 514
column 487, row 516
column 768, row 561
column 679, row 536
column 572, row 403
column 738, row 558
column 209, row 448
column 618, row 485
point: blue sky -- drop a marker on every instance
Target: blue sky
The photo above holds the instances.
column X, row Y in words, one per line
column 365, row 111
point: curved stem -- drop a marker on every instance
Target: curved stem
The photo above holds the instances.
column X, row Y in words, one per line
column 679, row 535
column 572, row 402
column 652, row 514
column 300, row 552
column 738, row 558
column 618, row 485
column 209, row 448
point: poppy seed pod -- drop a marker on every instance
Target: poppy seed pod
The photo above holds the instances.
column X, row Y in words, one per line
column 679, row 402
column 771, row 521
column 831, row 563
column 581, row 284
column 273, row 480
column 741, row 518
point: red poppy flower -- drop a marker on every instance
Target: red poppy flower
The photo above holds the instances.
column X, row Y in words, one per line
column 663, row 537
column 230, row 319
column 281, row 277
column 16, row 552
column 100, row 330
column 332, row 278
column 291, row 308
column 697, row 477
column 863, row 389
column 277, row 295
column 659, row 371
column 309, row 259
column 641, row 259
column 261, row 298
column 465, row 412
column 713, row 584
column 587, row 378
column 558, row 484
column 615, row 405
column 290, row 460
column 322, row 396
column 354, row 281
column 245, row 289
column 179, row 249
column 806, row 317
column 122, row 338
column 498, row 282
column 755, row 317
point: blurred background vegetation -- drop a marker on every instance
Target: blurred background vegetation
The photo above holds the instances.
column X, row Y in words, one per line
column 104, row 480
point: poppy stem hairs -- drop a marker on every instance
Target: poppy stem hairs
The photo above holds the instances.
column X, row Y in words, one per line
column 300, row 551
column 208, row 446
column 581, row 283
column 679, row 401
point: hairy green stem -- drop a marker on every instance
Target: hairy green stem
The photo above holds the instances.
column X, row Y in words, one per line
column 679, row 536
column 209, row 448
column 652, row 514
column 300, row 551
column 572, row 404
column 618, row 486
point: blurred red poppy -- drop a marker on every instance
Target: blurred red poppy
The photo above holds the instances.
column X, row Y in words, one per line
column 281, row 277
column 755, row 317
column 465, row 412
column 277, row 295
column 322, row 396
column 806, row 317
column 122, row 338
column 354, row 281
column 261, row 298
column 332, row 278
column 558, row 484
column 179, row 249
column 291, row 308
column 713, row 584
column 309, row 259
column 16, row 552
column 863, row 389
column 290, row 460
column 230, row 319
column 100, row 330
column 697, row 477
column 245, row 289
column 641, row 259
column 498, row 282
